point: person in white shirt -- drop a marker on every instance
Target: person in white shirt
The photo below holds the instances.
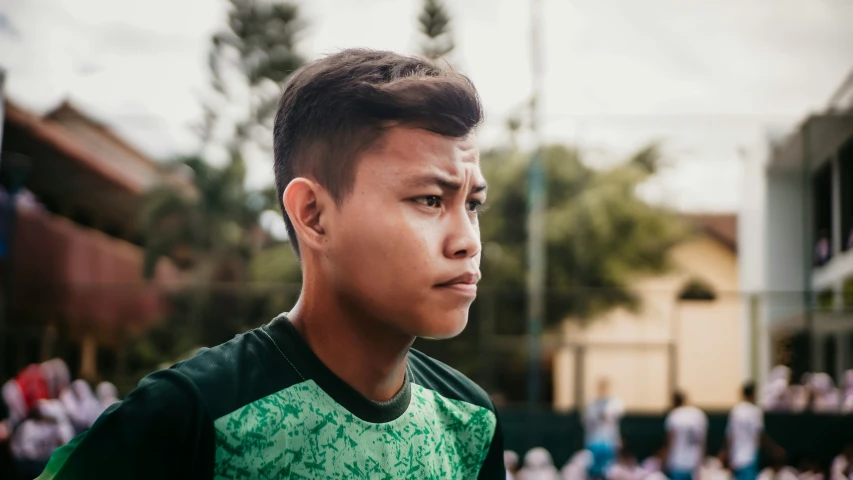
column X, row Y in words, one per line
column 744, row 433
column 601, row 425
column 686, row 427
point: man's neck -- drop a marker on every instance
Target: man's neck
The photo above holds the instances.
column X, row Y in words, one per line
column 360, row 351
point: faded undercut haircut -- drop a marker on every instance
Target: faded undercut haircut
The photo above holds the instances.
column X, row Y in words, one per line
column 335, row 108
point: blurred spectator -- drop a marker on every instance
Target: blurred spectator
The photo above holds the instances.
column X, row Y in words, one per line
column 538, row 465
column 626, row 467
column 810, row 470
column 712, row 469
column 774, row 397
column 800, row 397
column 850, row 239
column 81, row 405
column 36, row 438
column 686, row 427
column 13, row 397
column 847, row 401
column 743, row 435
column 577, row 468
column 33, row 386
column 654, row 463
column 842, row 465
column 511, row 464
column 777, row 468
column 825, row 397
column 601, row 424
column 56, row 376
column 108, row 394
column 823, row 248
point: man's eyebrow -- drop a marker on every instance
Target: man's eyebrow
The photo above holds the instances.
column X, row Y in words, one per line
column 445, row 183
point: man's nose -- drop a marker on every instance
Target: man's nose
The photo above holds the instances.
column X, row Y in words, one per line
column 463, row 239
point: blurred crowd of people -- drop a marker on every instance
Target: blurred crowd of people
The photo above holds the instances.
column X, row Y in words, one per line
column 45, row 410
column 538, row 465
column 816, row 392
column 683, row 455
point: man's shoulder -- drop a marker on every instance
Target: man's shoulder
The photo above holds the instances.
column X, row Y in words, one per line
column 237, row 372
column 446, row 381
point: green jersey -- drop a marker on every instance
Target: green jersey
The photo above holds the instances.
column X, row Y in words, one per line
column 263, row 406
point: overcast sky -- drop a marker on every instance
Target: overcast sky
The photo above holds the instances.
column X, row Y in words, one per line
column 706, row 77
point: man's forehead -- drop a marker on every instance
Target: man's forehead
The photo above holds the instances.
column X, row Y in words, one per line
column 413, row 152
column 408, row 141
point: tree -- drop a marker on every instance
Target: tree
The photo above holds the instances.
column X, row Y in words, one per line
column 599, row 236
column 249, row 62
column 434, row 25
column 213, row 233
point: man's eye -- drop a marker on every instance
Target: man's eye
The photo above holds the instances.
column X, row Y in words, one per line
column 431, row 201
column 477, row 206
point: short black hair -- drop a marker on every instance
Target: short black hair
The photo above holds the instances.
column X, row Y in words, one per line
column 335, row 108
column 748, row 390
column 678, row 399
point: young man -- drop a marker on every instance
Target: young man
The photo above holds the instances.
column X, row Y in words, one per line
column 601, row 424
column 686, row 427
column 378, row 174
column 743, row 435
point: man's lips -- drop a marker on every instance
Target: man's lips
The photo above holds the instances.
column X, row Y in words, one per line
column 468, row 280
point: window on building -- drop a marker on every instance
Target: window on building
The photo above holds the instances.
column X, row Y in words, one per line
column 845, row 157
column 822, row 204
column 697, row 290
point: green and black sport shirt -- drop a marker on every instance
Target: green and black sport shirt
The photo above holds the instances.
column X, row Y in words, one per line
column 263, row 406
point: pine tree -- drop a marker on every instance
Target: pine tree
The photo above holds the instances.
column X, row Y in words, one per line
column 249, row 61
column 434, row 25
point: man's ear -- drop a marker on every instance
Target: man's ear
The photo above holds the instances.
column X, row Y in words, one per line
column 305, row 202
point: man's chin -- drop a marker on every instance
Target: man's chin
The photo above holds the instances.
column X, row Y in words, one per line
column 447, row 329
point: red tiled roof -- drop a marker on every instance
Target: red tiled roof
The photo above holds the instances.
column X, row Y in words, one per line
column 722, row 226
column 58, row 138
column 66, row 109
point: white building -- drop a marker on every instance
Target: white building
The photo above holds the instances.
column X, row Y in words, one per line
column 796, row 240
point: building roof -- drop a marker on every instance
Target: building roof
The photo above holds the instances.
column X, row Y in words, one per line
column 722, row 226
column 59, row 138
column 67, row 111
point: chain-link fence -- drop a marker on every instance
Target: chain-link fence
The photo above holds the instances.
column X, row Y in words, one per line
column 705, row 346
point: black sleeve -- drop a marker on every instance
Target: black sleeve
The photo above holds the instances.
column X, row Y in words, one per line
column 161, row 431
column 493, row 466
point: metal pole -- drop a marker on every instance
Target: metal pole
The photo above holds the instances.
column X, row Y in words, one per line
column 536, row 213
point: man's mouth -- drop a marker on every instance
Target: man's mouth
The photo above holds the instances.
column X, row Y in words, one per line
column 468, row 278
column 465, row 284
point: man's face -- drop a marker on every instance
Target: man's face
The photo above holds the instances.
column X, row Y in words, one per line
column 406, row 241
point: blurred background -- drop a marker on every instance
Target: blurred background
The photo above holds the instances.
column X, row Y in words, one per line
column 671, row 186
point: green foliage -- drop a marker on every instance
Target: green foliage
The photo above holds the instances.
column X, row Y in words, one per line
column 847, row 294
column 254, row 55
column 434, row 25
column 213, row 225
column 825, row 299
column 212, row 232
column 599, row 234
